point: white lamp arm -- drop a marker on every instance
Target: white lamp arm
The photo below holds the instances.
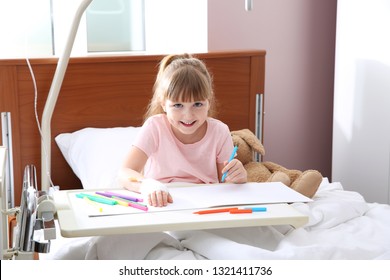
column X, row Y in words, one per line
column 53, row 95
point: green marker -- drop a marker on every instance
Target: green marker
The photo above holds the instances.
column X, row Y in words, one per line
column 97, row 198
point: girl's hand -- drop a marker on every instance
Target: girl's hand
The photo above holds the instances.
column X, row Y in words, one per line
column 236, row 172
column 156, row 193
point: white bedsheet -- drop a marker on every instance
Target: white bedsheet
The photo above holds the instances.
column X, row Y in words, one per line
column 341, row 226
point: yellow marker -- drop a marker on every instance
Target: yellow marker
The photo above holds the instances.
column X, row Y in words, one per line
column 121, row 202
column 116, row 200
column 93, row 203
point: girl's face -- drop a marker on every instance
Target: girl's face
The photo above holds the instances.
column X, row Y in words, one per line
column 188, row 119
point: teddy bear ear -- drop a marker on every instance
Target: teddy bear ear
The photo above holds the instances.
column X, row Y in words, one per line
column 250, row 138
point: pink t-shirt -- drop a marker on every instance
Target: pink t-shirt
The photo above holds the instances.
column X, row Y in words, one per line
column 169, row 160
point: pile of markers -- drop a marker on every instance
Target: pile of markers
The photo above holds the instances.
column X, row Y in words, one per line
column 232, row 210
column 112, row 198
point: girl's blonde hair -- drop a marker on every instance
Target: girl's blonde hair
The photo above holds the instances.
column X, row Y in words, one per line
column 181, row 78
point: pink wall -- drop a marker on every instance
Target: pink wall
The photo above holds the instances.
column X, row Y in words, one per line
column 299, row 37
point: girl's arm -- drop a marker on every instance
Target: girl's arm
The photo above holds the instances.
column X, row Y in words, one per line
column 130, row 177
column 131, row 172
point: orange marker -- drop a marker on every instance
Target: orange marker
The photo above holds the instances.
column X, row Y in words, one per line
column 133, row 179
column 240, row 211
column 212, row 211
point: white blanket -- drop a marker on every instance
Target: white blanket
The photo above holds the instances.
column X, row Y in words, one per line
column 341, row 226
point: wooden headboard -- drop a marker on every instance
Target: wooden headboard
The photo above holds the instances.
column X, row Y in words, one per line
column 111, row 91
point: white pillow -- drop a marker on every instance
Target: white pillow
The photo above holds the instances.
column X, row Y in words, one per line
column 95, row 154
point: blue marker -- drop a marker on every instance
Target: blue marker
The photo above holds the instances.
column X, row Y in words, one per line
column 230, row 159
column 257, row 209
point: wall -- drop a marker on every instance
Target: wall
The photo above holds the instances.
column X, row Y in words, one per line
column 299, row 37
column 361, row 130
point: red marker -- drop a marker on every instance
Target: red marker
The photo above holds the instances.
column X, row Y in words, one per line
column 212, row 211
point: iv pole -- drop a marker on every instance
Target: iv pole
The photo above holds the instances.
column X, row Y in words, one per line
column 53, row 95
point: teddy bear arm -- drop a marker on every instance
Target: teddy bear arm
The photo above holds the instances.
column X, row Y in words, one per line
column 273, row 167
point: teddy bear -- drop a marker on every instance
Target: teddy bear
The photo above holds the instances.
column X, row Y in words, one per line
column 304, row 182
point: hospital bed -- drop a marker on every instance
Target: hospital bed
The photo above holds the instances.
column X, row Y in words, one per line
column 101, row 105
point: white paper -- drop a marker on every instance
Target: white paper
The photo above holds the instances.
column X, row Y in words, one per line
column 201, row 196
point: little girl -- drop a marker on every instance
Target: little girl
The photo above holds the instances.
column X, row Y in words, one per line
column 179, row 140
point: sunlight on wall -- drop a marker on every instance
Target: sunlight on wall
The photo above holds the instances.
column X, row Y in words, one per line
column 23, row 24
